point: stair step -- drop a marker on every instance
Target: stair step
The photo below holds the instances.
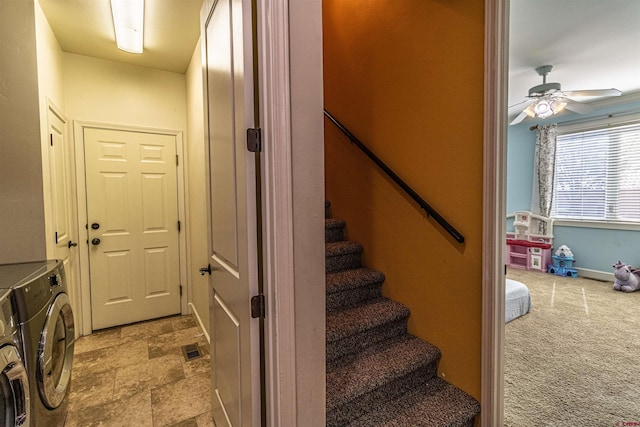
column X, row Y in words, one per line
column 346, row 289
column 342, row 256
column 360, row 382
column 351, row 330
column 333, row 230
column 378, row 374
column 435, row 403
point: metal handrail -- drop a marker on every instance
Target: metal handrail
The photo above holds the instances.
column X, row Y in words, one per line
column 403, row 185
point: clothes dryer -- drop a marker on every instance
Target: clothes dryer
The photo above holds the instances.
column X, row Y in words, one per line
column 39, row 296
column 14, row 384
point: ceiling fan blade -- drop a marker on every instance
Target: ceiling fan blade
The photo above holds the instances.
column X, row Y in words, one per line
column 522, row 104
column 593, row 92
column 519, row 119
column 577, row 107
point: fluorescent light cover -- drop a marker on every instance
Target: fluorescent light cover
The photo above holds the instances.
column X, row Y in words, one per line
column 128, row 20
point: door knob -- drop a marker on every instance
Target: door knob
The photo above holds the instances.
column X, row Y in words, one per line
column 95, row 226
column 207, row 269
column 95, row 241
column 71, row 244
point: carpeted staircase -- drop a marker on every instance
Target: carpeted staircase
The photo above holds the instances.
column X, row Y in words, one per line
column 377, row 373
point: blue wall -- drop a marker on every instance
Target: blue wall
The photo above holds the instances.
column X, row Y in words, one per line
column 594, row 249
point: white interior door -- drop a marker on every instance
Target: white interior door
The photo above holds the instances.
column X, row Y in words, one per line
column 132, row 230
column 60, row 185
column 62, row 198
column 229, row 101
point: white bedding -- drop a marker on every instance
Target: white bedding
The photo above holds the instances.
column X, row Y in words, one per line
column 517, row 300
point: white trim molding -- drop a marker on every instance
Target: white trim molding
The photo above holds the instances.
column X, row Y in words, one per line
column 273, row 42
column 201, row 324
column 494, row 191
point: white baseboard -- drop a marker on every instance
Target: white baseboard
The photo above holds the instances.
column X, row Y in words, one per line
column 199, row 320
column 595, row 274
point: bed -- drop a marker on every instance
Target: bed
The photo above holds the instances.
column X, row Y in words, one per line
column 517, row 300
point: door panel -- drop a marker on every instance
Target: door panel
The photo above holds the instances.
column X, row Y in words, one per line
column 62, row 193
column 60, row 185
column 232, row 237
column 221, row 127
column 132, row 210
column 60, row 180
column 228, row 336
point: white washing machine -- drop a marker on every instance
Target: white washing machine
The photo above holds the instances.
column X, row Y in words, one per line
column 14, row 383
column 39, row 296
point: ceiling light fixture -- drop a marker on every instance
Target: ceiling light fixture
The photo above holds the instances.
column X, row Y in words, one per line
column 128, row 23
column 545, row 107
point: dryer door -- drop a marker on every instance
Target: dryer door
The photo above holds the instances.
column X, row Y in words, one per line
column 55, row 354
column 14, row 389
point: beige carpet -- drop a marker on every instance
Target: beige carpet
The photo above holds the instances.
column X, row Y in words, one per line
column 574, row 360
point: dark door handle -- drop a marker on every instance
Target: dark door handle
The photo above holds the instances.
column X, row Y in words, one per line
column 95, row 226
column 95, row 241
column 207, row 269
column 71, row 244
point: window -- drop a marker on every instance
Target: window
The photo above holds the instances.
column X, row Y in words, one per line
column 597, row 175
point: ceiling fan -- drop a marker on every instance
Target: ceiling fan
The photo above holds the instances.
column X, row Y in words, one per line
column 548, row 98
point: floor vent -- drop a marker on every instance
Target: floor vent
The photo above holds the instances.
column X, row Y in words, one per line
column 191, row 351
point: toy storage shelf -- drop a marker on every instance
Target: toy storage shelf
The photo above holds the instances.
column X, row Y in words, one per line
column 529, row 245
column 528, row 255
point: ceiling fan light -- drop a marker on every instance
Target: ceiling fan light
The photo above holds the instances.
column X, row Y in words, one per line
column 558, row 106
column 128, row 21
column 543, row 109
column 529, row 111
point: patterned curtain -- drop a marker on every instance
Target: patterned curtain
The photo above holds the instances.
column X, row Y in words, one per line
column 543, row 168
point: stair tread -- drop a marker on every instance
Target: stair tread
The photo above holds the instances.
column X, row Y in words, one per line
column 330, row 223
column 434, row 403
column 342, row 248
column 376, row 366
column 344, row 323
column 353, row 279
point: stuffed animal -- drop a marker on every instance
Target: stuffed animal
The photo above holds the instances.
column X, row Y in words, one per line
column 627, row 278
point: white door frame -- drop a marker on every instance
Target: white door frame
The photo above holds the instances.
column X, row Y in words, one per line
column 290, row 70
column 277, row 30
column 83, row 296
column 496, row 72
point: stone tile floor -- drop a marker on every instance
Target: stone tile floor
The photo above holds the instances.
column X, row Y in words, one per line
column 137, row 375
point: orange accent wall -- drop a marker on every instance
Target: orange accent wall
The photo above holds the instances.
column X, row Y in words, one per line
column 406, row 77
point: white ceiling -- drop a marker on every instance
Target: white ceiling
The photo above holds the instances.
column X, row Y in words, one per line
column 172, row 28
column 592, row 44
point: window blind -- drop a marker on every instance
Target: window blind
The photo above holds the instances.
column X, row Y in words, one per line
column 597, row 175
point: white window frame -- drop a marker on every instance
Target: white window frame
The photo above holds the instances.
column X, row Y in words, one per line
column 618, row 119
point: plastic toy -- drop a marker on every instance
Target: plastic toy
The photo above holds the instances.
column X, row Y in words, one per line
column 562, row 263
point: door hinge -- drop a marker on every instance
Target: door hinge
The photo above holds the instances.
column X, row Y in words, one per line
column 51, row 139
column 179, row 226
column 180, row 288
column 177, row 162
column 254, row 140
column 56, row 237
column 258, row 307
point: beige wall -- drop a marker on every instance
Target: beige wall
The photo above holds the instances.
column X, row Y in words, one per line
column 51, row 90
column 22, row 230
column 406, row 77
column 49, row 56
column 196, row 190
column 111, row 92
